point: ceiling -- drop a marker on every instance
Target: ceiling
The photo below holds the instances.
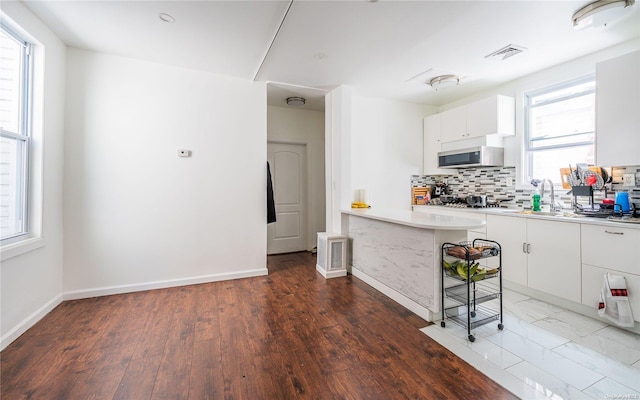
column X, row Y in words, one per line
column 385, row 48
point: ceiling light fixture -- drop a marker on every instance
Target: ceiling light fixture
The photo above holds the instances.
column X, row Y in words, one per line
column 164, row 17
column 444, row 81
column 296, row 101
column 600, row 13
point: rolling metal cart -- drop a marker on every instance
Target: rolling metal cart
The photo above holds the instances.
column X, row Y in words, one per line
column 466, row 284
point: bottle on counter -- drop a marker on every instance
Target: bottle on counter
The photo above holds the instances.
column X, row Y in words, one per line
column 535, row 197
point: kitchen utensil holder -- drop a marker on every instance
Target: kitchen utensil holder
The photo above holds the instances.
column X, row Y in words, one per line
column 582, row 190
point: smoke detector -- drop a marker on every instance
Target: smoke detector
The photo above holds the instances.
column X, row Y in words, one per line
column 506, row 52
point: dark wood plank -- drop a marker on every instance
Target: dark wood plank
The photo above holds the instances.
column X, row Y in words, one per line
column 289, row 335
column 139, row 379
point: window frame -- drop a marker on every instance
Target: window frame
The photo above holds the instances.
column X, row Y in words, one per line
column 528, row 149
column 23, row 133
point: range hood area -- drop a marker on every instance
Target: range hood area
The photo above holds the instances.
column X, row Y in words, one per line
column 479, row 156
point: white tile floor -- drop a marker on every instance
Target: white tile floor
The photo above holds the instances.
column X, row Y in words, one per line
column 546, row 352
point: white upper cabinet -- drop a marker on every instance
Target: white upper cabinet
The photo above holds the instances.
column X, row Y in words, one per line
column 454, row 124
column 618, row 111
column 493, row 115
column 432, row 139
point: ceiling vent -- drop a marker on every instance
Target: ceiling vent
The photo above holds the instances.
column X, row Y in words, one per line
column 506, row 52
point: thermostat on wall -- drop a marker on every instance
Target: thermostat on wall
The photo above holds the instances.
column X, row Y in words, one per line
column 184, row 153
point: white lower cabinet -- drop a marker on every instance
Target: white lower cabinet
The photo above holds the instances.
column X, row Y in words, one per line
column 540, row 254
column 610, row 247
column 554, row 258
column 511, row 233
column 592, row 280
column 614, row 250
column 564, row 259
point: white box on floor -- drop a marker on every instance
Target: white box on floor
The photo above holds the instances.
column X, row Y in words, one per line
column 332, row 255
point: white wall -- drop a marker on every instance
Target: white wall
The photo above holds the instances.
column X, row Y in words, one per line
column 386, row 149
column 304, row 127
column 31, row 282
column 136, row 215
column 337, row 142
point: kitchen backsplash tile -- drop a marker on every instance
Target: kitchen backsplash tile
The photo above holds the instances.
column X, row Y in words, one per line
column 498, row 183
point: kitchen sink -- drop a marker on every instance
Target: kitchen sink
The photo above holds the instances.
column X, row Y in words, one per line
column 544, row 213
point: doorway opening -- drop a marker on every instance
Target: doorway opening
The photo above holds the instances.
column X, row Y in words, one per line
column 296, row 155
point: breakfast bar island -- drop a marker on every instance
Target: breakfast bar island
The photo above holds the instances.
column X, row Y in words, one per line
column 398, row 253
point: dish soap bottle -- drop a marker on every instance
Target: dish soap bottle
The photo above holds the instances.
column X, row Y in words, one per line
column 535, row 197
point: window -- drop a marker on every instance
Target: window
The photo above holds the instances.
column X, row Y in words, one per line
column 15, row 83
column 559, row 128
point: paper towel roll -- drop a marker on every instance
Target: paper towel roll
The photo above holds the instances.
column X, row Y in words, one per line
column 363, row 194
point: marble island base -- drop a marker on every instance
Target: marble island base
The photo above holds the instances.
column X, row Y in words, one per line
column 402, row 260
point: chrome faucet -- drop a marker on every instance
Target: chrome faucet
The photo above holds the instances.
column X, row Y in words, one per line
column 555, row 205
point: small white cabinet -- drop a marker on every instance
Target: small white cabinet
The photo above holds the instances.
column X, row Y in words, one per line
column 554, row 258
column 540, row 254
column 511, row 233
column 618, row 111
column 432, row 140
column 494, row 115
column 592, row 280
column 611, row 247
column 615, row 250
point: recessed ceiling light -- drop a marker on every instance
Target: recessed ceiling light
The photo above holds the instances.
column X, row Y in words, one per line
column 296, row 101
column 164, row 17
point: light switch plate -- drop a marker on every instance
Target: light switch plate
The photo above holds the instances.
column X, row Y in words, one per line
column 628, row 179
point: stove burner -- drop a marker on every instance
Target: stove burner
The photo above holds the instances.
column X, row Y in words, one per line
column 464, row 205
column 457, row 205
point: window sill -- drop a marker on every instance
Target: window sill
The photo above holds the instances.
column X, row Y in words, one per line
column 21, row 247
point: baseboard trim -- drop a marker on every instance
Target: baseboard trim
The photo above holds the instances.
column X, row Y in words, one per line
column 332, row 273
column 406, row 302
column 139, row 287
column 28, row 322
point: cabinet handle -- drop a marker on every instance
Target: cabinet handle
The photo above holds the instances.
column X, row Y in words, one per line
column 528, row 248
column 524, row 247
column 614, row 233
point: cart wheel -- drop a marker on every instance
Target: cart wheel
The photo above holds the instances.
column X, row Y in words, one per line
column 473, row 314
column 500, row 326
column 442, row 324
column 472, row 338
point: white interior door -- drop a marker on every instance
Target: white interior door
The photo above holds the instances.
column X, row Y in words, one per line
column 288, row 174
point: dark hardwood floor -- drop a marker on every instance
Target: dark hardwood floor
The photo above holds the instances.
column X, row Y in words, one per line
column 289, row 335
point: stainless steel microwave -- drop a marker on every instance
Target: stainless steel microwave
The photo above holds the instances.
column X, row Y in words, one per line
column 481, row 156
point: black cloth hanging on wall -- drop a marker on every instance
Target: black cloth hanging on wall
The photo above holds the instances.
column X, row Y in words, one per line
column 271, row 205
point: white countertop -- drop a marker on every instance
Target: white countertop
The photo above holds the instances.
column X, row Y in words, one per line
column 567, row 216
column 417, row 219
